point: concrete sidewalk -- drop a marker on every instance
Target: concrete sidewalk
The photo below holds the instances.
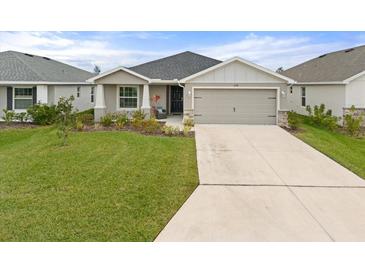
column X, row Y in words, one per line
column 259, row 183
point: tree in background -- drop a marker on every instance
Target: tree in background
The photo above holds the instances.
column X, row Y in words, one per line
column 97, row 69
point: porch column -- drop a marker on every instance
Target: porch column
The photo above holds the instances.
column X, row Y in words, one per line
column 146, row 107
column 100, row 107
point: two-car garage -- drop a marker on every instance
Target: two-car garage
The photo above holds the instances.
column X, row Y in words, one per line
column 235, row 91
column 235, row 106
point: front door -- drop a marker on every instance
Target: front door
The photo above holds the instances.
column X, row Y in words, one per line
column 177, row 94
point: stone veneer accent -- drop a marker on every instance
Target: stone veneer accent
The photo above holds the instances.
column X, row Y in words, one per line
column 283, row 118
column 358, row 112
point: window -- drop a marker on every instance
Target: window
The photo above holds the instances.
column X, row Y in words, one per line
column 23, row 98
column 92, row 94
column 303, row 96
column 291, row 90
column 128, row 97
column 78, row 92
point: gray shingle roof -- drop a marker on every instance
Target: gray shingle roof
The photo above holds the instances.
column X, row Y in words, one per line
column 176, row 66
column 17, row 66
column 334, row 66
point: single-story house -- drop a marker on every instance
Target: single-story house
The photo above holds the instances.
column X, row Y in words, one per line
column 26, row 79
column 336, row 79
column 196, row 86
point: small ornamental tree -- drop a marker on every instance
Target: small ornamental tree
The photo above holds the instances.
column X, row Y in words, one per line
column 65, row 119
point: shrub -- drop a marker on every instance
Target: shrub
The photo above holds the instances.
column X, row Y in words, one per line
column 65, row 118
column 79, row 125
column 151, row 125
column 9, row 116
column 170, row 130
column 137, row 119
column 186, row 130
column 88, row 111
column 21, row 117
column 293, row 120
column 42, row 114
column 121, row 119
column 85, row 118
column 188, row 122
column 353, row 123
column 106, row 120
column 320, row 117
column 138, row 114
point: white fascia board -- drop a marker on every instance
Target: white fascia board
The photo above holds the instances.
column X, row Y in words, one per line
column 159, row 81
column 348, row 80
column 42, row 83
column 239, row 59
column 320, row 83
column 106, row 73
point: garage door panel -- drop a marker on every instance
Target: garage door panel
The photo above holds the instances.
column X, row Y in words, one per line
column 235, row 106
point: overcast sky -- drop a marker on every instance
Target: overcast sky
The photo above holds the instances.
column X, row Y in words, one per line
column 111, row 49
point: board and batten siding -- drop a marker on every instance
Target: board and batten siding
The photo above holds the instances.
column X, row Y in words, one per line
column 235, row 74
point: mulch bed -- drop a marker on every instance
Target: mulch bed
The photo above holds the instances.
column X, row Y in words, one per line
column 99, row 127
column 4, row 125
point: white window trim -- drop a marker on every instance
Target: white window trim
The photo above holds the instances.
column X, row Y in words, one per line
column 18, row 110
column 118, row 97
column 78, row 92
column 301, row 97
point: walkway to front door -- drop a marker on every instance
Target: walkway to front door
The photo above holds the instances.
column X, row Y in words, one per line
column 260, row 183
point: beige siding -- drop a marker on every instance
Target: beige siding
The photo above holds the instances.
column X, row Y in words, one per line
column 333, row 96
column 81, row 103
column 236, row 72
column 160, row 91
column 355, row 93
column 111, row 97
column 121, row 77
column 3, row 101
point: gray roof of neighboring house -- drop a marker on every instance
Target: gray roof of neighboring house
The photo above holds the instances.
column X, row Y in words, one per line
column 176, row 66
column 330, row 67
column 17, row 66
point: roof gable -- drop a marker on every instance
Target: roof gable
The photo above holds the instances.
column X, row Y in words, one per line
column 17, row 66
column 237, row 70
column 336, row 66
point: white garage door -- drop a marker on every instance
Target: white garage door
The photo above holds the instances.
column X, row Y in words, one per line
column 235, row 106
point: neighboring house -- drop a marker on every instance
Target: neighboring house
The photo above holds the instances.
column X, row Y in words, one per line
column 208, row 90
column 336, row 79
column 26, row 79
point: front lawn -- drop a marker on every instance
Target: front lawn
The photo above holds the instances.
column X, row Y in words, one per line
column 103, row 186
column 346, row 150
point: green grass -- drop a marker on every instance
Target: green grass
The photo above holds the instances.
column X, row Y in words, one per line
column 103, row 186
column 347, row 151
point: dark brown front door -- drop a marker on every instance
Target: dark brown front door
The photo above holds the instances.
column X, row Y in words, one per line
column 177, row 95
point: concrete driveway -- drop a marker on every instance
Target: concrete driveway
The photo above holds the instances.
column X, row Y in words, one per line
column 259, row 183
